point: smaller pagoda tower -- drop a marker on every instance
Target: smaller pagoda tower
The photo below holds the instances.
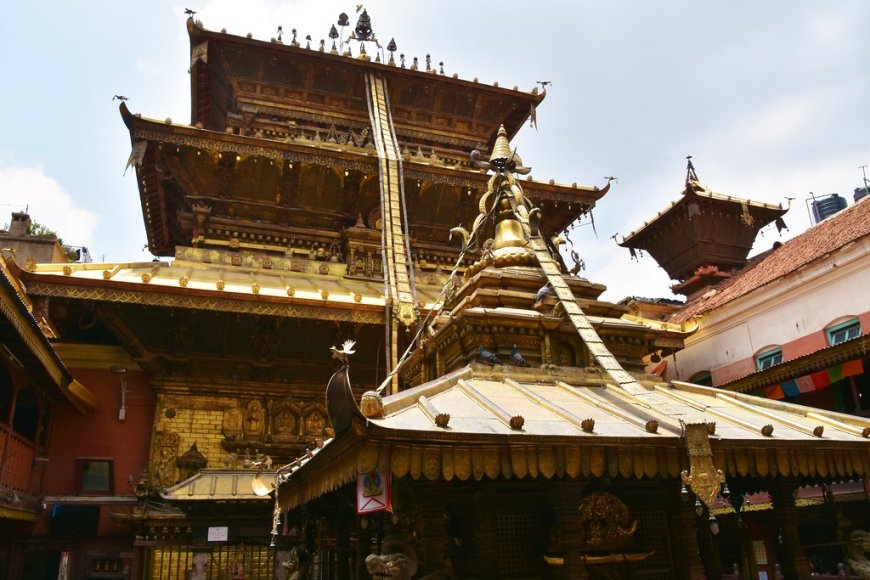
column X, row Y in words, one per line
column 703, row 237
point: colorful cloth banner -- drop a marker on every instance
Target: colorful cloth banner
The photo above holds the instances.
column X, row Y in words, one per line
column 373, row 492
column 853, row 368
column 815, row 381
column 821, row 379
column 790, row 388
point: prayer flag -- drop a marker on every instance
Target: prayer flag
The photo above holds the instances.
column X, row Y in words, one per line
column 774, row 392
column 853, row 368
column 805, row 384
column 821, row 379
column 790, row 388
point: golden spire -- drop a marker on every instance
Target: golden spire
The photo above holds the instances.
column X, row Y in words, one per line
column 501, row 150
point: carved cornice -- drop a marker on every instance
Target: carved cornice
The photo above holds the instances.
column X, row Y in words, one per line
column 285, row 307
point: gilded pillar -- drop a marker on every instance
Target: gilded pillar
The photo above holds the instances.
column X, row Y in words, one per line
column 795, row 565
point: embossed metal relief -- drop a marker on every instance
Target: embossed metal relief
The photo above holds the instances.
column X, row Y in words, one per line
column 163, row 458
column 704, row 479
column 605, row 523
column 285, row 420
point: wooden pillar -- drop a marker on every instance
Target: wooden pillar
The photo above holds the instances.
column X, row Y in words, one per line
column 684, row 531
column 342, row 547
column 795, row 565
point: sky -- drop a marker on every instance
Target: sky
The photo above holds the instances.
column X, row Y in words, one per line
column 770, row 98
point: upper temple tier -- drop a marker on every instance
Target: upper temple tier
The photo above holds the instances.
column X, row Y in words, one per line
column 280, row 156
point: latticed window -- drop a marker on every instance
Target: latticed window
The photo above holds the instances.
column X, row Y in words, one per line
column 518, row 538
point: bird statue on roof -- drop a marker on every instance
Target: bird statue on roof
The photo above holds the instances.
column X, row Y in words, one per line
column 345, row 351
column 340, row 403
column 519, row 359
column 489, row 357
column 119, row 98
column 189, row 12
column 542, row 293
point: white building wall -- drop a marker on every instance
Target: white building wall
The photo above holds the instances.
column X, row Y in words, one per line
column 786, row 310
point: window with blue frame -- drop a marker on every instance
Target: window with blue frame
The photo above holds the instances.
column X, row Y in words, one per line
column 768, row 358
column 844, row 331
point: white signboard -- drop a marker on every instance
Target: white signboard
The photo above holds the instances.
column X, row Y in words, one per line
column 218, row 533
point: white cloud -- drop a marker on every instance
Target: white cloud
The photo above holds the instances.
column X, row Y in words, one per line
column 47, row 203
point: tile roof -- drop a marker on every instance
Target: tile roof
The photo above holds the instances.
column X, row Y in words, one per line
column 828, row 236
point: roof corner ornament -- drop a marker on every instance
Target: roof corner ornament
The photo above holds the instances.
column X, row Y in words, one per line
column 704, row 479
column 199, row 53
column 340, row 403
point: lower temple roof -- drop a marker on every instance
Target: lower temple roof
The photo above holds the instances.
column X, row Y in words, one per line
column 507, row 422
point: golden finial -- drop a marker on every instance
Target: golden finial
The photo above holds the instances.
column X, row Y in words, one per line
column 501, row 151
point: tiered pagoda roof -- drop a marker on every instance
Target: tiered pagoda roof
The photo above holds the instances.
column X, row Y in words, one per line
column 703, row 236
column 279, row 152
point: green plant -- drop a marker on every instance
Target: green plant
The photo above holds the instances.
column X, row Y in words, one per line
column 42, row 231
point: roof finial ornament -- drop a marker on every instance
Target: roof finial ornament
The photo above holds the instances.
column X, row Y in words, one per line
column 516, row 220
column 293, row 42
column 280, row 32
column 391, row 48
column 342, row 22
column 333, row 34
column 691, row 175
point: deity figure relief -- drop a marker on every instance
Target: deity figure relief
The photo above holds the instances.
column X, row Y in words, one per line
column 163, row 458
column 564, row 355
column 284, row 427
column 233, row 419
column 315, row 423
column 253, row 419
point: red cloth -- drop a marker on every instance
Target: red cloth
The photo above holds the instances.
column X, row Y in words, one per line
column 821, row 379
column 853, row 368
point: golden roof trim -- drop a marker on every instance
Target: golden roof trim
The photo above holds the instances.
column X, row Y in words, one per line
column 438, row 460
column 686, row 328
column 37, row 342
